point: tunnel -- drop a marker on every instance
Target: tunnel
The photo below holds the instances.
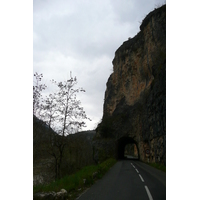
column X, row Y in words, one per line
column 125, row 148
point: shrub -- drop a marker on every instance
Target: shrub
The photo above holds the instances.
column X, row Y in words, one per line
column 75, row 181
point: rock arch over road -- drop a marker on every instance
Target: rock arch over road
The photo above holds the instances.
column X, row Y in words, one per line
column 121, row 144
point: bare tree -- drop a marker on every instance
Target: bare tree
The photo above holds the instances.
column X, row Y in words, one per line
column 37, row 94
column 49, row 112
column 71, row 114
column 62, row 112
column 65, row 112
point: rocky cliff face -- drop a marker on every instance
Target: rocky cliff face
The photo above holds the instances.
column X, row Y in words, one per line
column 135, row 98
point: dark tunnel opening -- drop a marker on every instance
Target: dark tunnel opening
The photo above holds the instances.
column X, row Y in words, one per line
column 127, row 148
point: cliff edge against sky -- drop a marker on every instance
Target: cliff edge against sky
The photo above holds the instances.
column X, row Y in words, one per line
column 135, row 97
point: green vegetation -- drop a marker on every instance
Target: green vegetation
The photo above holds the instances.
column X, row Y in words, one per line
column 159, row 166
column 82, row 179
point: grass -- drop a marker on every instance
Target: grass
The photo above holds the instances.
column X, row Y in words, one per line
column 74, row 182
column 159, row 166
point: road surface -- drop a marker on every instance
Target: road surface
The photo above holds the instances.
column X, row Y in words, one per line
column 129, row 180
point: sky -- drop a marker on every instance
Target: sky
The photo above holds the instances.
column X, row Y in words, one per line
column 82, row 36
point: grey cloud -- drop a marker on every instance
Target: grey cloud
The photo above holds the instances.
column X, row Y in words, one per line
column 82, row 36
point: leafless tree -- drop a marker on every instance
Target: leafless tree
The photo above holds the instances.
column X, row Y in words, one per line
column 37, row 94
column 63, row 111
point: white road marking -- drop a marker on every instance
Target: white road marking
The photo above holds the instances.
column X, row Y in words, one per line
column 146, row 188
column 141, row 178
column 148, row 193
column 135, row 168
column 132, row 165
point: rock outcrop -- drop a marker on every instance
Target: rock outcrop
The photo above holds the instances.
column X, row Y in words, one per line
column 135, row 98
column 62, row 195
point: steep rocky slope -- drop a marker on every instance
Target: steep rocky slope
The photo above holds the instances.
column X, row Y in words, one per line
column 135, row 98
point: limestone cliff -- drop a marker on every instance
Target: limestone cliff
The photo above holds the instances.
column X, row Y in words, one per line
column 135, row 98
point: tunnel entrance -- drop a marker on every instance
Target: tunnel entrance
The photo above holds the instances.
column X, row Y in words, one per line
column 127, row 148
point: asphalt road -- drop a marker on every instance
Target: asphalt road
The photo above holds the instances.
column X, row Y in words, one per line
column 129, row 180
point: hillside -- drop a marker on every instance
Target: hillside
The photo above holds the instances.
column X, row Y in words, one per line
column 77, row 152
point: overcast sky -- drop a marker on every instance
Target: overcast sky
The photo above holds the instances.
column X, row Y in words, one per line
column 82, row 36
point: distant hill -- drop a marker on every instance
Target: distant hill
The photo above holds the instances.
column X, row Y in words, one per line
column 77, row 154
